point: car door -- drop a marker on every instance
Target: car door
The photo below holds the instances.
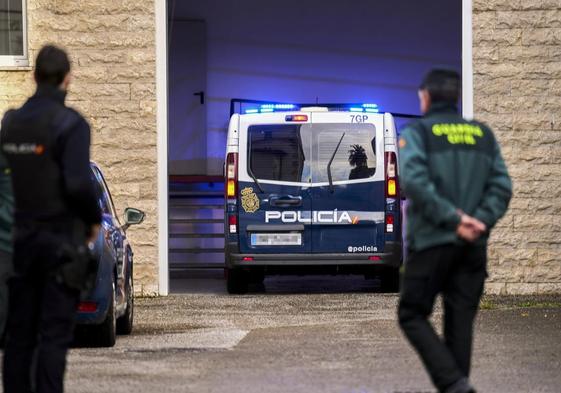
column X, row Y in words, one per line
column 114, row 235
column 349, row 212
column 275, row 214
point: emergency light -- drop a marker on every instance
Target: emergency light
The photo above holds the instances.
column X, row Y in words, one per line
column 270, row 108
column 231, row 188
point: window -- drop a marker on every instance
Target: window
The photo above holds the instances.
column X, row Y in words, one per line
column 105, row 199
column 101, row 197
column 276, row 152
column 13, row 33
column 355, row 158
column 301, row 153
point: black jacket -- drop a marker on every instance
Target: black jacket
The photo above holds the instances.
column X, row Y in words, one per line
column 47, row 146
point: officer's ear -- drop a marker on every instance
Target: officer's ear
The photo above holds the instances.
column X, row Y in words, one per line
column 424, row 100
column 66, row 82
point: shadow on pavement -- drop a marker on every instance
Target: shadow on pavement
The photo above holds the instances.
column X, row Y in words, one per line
column 212, row 282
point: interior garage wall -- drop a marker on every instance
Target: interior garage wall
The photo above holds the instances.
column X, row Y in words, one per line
column 112, row 45
column 332, row 51
column 517, row 85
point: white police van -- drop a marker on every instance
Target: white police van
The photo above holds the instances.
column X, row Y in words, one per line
column 311, row 188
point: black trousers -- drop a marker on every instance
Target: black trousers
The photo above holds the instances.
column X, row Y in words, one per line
column 41, row 316
column 458, row 273
column 5, row 273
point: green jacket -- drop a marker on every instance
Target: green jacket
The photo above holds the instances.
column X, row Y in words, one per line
column 6, row 206
column 449, row 164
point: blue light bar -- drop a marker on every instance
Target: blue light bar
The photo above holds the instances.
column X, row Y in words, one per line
column 247, row 111
column 285, row 106
column 266, row 110
column 372, row 110
column 278, row 106
column 370, row 105
column 356, row 109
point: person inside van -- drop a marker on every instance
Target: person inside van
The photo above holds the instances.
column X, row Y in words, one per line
column 359, row 160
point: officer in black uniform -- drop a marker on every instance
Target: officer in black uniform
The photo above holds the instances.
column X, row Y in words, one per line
column 56, row 213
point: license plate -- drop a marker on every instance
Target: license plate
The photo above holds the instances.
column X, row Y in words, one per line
column 276, row 239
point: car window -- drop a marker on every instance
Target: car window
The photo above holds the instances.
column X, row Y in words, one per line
column 102, row 200
column 107, row 199
column 355, row 158
column 276, row 152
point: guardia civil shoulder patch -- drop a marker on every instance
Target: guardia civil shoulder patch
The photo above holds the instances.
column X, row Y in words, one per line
column 402, row 142
column 250, row 201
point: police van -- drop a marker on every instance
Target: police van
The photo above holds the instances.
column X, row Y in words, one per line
column 311, row 189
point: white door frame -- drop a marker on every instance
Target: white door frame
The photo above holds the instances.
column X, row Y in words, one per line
column 467, row 59
column 162, row 119
column 162, row 143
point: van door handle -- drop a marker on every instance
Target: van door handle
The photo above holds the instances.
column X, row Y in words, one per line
column 285, row 201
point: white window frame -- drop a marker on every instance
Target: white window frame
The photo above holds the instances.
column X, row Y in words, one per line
column 18, row 61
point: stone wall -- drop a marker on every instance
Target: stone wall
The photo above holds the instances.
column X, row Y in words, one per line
column 112, row 45
column 517, row 84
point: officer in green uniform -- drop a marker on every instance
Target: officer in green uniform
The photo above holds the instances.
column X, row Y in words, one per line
column 6, row 221
column 457, row 185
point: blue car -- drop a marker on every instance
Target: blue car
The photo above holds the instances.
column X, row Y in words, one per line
column 108, row 309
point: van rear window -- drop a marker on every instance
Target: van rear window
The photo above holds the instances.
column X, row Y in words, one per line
column 276, row 153
column 300, row 153
column 354, row 159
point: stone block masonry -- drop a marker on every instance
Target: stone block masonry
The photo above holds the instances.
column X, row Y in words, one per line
column 517, row 85
column 112, row 46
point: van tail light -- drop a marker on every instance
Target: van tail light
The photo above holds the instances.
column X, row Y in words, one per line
column 389, row 222
column 233, row 223
column 391, row 175
column 231, row 185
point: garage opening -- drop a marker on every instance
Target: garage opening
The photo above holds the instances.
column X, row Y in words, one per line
column 313, row 51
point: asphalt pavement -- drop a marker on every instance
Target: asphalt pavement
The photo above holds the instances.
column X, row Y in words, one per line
column 309, row 334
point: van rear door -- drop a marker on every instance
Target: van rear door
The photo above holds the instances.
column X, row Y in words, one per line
column 274, row 214
column 347, row 148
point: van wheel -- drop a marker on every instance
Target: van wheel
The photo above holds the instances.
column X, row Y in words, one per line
column 125, row 322
column 390, row 280
column 107, row 331
column 237, row 281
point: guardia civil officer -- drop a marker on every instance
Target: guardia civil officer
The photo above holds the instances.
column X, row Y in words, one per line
column 457, row 185
column 47, row 147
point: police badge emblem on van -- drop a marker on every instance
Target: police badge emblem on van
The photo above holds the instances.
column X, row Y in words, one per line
column 250, row 201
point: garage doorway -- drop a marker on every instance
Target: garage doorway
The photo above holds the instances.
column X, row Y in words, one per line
column 293, row 51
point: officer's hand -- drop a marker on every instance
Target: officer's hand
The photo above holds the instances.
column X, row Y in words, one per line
column 473, row 223
column 94, row 231
column 468, row 233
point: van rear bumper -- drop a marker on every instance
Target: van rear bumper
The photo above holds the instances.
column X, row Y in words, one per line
column 391, row 257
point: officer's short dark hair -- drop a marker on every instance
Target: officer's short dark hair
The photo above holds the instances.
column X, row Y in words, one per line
column 442, row 84
column 51, row 66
